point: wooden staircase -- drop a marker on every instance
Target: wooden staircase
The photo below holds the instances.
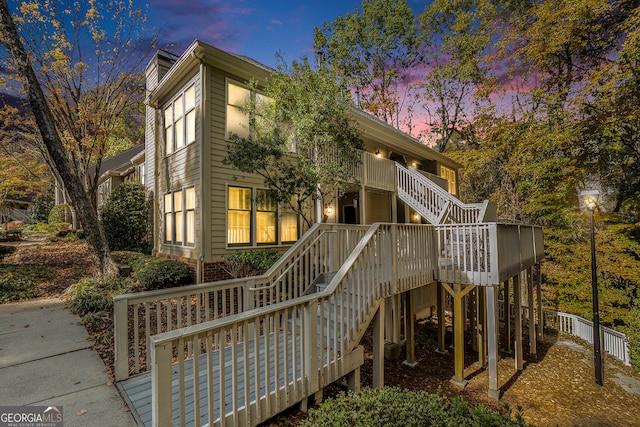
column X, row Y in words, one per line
column 435, row 204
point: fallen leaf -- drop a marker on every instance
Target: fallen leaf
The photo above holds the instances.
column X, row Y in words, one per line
column 81, row 412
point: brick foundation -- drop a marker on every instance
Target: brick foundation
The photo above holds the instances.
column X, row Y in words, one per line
column 212, row 271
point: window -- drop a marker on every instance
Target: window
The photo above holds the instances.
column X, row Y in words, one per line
column 179, row 217
column 141, row 173
column 180, row 121
column 254, row 218
column 265, row 218
column 450, row 175
column 239, row 216
column 237, row 99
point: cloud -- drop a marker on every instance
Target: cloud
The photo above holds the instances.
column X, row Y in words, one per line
column 218, row 22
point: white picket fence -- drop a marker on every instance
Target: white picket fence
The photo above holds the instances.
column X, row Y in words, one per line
column 613, row 342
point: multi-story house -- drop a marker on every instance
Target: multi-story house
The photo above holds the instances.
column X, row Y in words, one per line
column 399, row 242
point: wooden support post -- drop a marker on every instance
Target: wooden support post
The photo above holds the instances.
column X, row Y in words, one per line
column 353, row 380
column 161, row 390
column 507, row 318
column 492, row 339
column 441, row 296
column 120, row 338
column 539, row 301
column 310, row 324
column 517, row 314
column 458, row 292
column 410, row 337
column 532, row 316
column 480, row 326
column 473, row 306
column 378, row 347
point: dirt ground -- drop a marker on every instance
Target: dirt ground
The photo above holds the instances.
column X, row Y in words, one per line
column 556, row 388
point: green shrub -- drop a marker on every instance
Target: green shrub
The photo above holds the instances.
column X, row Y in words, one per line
column 6, row 250
column 40, row 209
column 60, row 213
column 161, row 273
column 124, row 218
column 40, row 227
column 135, row 260
column 92, row 295
column 632, row 330
column 250, row 263
column 33, row 272
column 391, row 406
column 16, row 289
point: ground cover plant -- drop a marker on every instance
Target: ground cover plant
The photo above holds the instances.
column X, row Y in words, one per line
column 390, row 406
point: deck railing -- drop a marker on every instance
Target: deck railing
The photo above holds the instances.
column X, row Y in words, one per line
column 291, row 348
column 434, row 203
column 138, row 316
column 615, row 343
column 487, row 253
column 378, row 172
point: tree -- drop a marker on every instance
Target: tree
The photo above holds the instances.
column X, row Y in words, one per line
column 458, row 35
column 53, row 143
column 374, row 52
column 301, row 140
column 86, row 56
column 560, row 47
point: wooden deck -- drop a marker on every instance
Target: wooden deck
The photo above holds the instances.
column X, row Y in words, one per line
column 137, row 389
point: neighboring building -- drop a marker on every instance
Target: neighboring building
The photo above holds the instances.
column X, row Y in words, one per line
column 126, row 166
column 204, row 209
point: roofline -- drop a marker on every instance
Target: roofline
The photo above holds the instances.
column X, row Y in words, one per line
column 200, row 52
column 374, row 124
column 242, row 66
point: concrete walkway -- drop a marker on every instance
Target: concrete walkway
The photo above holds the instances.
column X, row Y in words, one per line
column 47, row 360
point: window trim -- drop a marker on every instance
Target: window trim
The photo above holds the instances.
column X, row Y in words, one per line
column 253, row 243
column 252, row 95
column 183, row 213
column 182, row 97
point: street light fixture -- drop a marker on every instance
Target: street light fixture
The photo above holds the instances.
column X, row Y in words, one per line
column 590, row 198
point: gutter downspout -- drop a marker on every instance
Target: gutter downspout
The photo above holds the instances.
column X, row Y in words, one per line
column 204, row 155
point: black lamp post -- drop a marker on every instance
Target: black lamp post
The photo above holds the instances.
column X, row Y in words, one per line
column 590, row 198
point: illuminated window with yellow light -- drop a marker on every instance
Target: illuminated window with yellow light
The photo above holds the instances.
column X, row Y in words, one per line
column 254, row 218
column 239, row 216
column 450, row 175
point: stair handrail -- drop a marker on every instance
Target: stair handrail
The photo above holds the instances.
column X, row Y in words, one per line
column 448, row 198
column 292, row 264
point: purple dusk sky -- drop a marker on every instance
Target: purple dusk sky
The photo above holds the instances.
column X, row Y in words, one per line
column 254, row 28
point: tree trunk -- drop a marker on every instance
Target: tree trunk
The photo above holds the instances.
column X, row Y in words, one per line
column 84, row 210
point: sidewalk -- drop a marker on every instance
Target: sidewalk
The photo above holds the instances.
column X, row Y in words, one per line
column 46, row 360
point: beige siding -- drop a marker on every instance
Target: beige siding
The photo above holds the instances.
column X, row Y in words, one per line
column 177, row 171
column 378, row 207
column 220, row 175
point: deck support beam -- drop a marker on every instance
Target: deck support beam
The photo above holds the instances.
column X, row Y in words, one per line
column 458, row 293
column 378, row 346
column 481, row 316
column 409, row 331
column 517, row 314
column 539, row 301
column 532, row 316
column 492, row 331
column 507, row 319
column 442, row 327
